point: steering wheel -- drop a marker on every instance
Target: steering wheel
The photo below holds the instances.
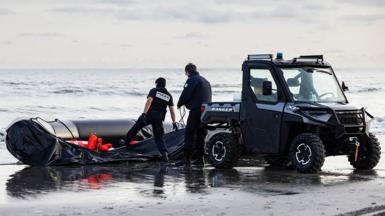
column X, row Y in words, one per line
column 327, row 93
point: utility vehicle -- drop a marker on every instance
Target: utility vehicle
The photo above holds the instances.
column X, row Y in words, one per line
column 291, row 112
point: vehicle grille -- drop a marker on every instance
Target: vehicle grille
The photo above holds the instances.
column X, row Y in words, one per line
column 351, row 117
column 353, row 120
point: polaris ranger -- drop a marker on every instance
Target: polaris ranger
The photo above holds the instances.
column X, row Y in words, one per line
column 292, row 112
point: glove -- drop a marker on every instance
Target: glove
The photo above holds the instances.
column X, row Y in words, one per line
column 175, row 126
column 143, row 118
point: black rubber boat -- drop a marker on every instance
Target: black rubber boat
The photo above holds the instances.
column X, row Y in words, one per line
column 42, row 143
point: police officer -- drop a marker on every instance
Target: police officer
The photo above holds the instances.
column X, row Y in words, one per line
column 197, row 90
column 154, row 113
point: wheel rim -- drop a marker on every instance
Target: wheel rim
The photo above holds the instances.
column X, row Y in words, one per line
column 218, row 151
column 303, row 154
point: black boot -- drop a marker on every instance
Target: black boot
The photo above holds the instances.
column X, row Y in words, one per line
column 200, row 161
column 185, row 162
column 165, row 157
column 122, row 142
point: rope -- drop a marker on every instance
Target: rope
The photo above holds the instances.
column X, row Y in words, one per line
column 182, row 113
column 57, row 120
column 42, row 126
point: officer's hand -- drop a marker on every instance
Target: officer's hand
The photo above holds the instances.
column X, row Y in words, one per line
column 174, row 126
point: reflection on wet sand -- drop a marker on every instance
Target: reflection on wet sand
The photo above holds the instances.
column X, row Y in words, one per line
column 32, row 182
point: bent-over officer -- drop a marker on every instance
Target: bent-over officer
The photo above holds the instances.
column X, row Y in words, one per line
column 154, row 113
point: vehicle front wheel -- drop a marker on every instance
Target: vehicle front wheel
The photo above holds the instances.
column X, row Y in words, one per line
column 307, row 153
column 368, row 156
column 223, row 150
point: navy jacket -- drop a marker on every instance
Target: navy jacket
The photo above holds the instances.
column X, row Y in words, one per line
column 197, row 90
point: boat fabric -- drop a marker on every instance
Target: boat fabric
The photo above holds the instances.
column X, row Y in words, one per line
column 32, row 144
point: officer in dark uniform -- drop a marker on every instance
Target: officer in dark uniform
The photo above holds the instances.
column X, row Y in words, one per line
column 197, row 90
column 155, row 110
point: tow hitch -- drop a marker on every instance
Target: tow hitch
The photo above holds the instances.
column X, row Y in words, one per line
column 354, row 140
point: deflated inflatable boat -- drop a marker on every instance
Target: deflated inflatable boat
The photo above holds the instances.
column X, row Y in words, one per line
column 42, row 143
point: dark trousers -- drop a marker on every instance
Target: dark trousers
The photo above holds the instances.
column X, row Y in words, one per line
column 156, row 120
column 194, row 135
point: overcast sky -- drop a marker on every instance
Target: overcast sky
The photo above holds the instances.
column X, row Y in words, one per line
column 170, row 33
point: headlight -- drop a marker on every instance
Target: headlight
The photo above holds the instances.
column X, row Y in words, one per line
column 291, row 108
column 319, row 115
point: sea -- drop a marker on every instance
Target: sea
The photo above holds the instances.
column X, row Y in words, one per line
column 95, row 93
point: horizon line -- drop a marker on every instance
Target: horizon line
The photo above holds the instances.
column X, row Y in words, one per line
column 161, row 68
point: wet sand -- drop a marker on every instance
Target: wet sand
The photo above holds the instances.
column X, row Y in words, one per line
column 158, row 189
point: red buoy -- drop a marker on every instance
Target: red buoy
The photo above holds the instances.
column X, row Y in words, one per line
column 92, row 138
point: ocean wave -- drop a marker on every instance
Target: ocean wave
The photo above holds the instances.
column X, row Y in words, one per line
column 68, row 91
column 222, row 85
column 95, row 91
column 380, row 119
column 98, row 108
column 378, row 125
column 132, row 93
column 120, row 92
column 369, row 89
column 226, row 86
column 226, row 92
column 12, row 83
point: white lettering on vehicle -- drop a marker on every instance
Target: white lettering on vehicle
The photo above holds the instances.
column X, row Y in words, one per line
column 222, row 109
column 163, row 96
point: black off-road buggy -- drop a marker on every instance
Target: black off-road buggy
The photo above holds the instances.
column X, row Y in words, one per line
column 293, row 113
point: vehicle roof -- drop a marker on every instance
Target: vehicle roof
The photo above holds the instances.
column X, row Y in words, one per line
column 301, row 61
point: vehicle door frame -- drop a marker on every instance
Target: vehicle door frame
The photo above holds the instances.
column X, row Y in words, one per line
column 248, row 97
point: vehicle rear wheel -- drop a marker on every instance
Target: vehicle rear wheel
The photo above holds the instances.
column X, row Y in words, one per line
column 223, row 150
column 307, row 153
column 369, row 158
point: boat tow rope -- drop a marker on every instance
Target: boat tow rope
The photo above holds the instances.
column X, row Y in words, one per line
column 69, row 130
column 41, row 125
column 357, row 144
column 56, row 120
column 182, row 113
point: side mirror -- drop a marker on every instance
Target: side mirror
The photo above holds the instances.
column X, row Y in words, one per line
column 344, row 86
column 266, row 88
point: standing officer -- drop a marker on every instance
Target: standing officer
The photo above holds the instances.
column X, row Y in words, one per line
column 154, row 113
column 197, row 90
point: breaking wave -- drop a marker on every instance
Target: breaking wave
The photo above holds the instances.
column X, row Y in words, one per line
column 68, row 91
column 11, row 83
column 139, row 93
column 226, row 86
column 369, row 89
column 88, row 91
column 378, row 125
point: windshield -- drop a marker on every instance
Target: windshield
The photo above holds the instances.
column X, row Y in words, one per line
column 313, row 85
